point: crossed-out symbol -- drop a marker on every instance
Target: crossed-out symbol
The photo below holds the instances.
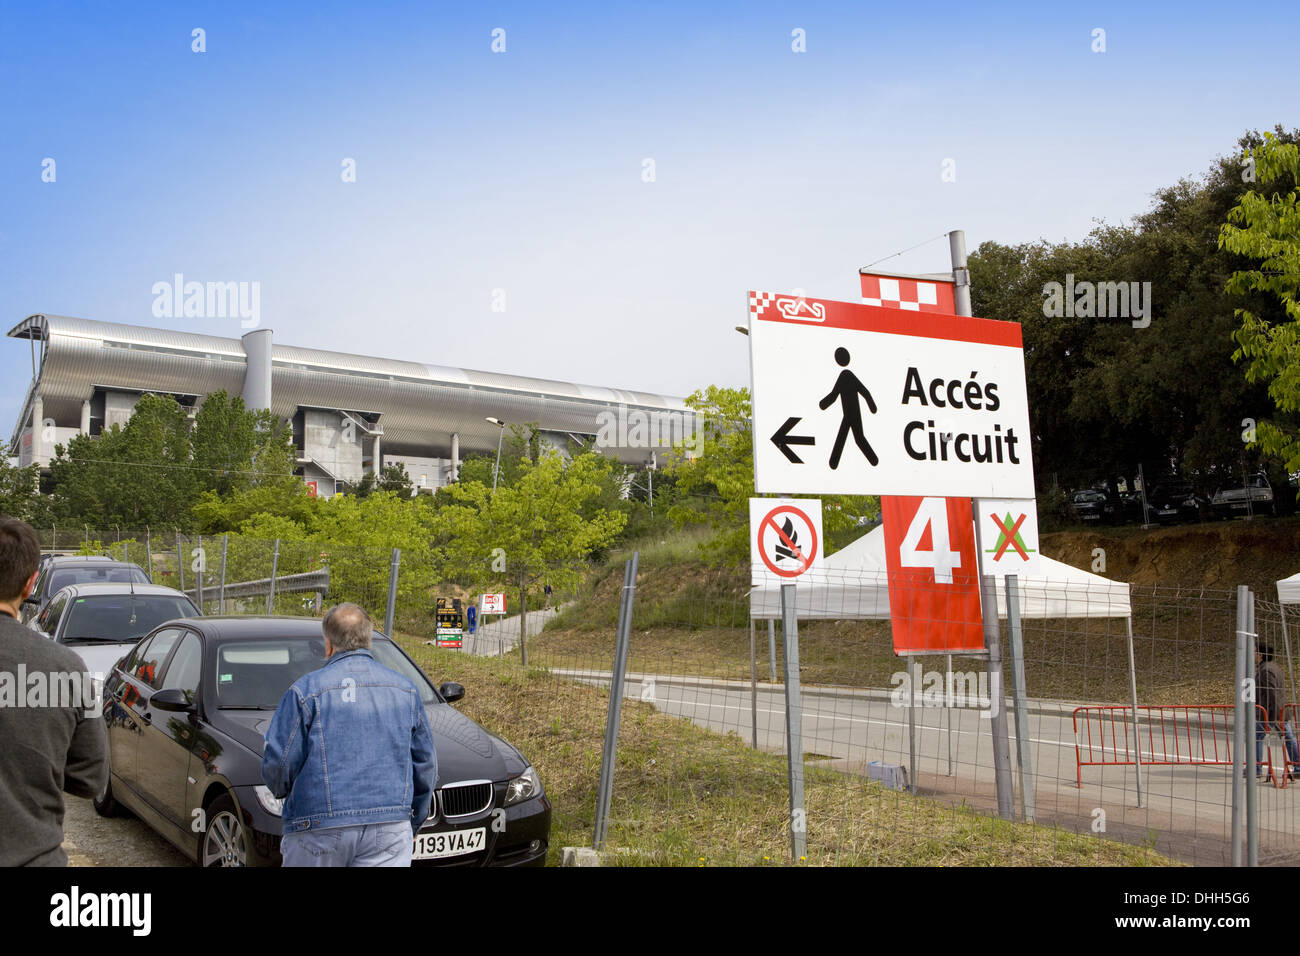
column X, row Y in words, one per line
column 804, row 555
column 1009, row 537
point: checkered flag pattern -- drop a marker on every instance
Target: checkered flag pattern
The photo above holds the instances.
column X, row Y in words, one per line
column 759, row 301
column 914, row 295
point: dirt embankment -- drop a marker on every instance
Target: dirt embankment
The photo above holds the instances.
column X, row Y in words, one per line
column 1219, row 554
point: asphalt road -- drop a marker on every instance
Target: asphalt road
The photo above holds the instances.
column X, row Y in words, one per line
column 1188, row 807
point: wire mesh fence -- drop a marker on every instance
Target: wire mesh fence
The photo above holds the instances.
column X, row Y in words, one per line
column 1121, row 744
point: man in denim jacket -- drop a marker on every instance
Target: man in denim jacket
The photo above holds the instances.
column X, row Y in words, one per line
column 349, row 750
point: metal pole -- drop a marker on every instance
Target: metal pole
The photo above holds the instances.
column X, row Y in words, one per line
column 753, row 686
column 126, row 552
column 221, row 593
column 523, row 624
column 1252, row 780
column 988, row 589
column 391, row 611
column 275, row 566
column 1238, row 726
column 913, row 668
column 606, row 787
column 203, row 563
column 771, row 649
column 793, row 723
column 947, row 710
column 148, row 555
column 180, row 564
column 497, row 467
column 1133, row 700
column 1286, row 641
column 1024, row 750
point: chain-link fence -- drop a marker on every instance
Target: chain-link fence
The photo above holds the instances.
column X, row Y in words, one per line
column 1120, row 741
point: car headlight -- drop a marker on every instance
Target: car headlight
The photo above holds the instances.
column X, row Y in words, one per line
column 523, row 787
column 270, row 804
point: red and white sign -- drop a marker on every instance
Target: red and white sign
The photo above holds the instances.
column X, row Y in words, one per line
column 494, row 603
column 1009, row 534
column 908, row 292
column 859, row 399
column 312, row 488
column 934, row 592
column 785, row 538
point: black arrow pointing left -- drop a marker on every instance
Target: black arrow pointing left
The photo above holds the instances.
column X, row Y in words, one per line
column 783, row 439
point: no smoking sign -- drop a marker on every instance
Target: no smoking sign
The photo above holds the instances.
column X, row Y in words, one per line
column 785, row 539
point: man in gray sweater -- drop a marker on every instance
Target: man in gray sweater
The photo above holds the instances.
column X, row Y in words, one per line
column 52, row 738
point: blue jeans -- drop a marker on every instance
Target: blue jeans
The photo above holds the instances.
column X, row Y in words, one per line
column 370, row 844
column 1292, row 751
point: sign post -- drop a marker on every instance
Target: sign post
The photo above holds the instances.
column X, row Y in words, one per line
column 786, row 539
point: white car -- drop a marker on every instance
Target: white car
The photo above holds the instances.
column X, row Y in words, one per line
column 102, row 622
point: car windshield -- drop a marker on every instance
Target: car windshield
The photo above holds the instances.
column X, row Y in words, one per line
column 254, row 675
column 121, row 618
column 1081, row 496
column 62, row 577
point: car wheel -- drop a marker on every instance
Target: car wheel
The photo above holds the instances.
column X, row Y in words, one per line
column 105, row 805
column 225, row 840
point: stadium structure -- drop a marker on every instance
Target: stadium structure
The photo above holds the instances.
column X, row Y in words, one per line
column 351, row 414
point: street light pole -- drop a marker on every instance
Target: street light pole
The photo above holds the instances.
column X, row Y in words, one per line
column 496, row 469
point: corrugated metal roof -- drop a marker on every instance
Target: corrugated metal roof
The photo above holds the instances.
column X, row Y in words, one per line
column 421, row 404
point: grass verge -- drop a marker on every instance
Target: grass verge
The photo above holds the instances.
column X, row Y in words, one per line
column 687, row 796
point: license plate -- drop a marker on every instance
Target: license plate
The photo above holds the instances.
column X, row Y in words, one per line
column 433, row 846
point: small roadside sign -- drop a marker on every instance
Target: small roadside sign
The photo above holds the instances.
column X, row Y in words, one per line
column 1009, row 534
column 494, row 603
column 785, row 539
column 851, row 398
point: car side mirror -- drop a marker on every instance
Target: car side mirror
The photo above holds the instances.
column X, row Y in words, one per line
column 451, row 692
column 173, row 698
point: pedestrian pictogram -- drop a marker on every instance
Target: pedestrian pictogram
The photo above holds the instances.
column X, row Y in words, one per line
column 785, row 538
column 848, row 390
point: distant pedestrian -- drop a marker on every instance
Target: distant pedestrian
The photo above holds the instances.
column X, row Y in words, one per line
column 471, row 617
column 1270, row 693
column 365, row 808
column 547, row 591
column 47, row 748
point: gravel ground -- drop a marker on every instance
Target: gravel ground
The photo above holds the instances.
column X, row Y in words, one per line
column 92, row 840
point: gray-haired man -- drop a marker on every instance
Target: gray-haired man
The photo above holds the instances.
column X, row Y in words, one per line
column 382, row 768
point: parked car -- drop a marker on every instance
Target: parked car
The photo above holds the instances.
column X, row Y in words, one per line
column 1254, row 496
column 56, row 573
column 1174, row 501
column 187, row 712
column 103, row 622
column 1092, row 505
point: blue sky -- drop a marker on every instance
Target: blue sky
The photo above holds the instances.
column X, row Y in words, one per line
column 522, row 171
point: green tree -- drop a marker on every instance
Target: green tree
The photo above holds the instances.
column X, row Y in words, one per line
column 537, row 529
column 134, row 476
column 19, row 497
column 714, row 487
column 1264, row 227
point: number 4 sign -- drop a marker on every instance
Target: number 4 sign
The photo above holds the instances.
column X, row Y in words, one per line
column 934, row 591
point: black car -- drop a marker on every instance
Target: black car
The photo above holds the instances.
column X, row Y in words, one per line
column 1094, row 506
column 1170, row 502
column 187, row 712
column 57, row 573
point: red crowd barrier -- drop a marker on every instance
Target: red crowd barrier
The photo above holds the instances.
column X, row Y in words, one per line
column 1167, row 734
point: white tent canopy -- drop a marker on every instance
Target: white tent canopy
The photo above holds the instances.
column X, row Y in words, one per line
column 854, row 585
column 1288, row 590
